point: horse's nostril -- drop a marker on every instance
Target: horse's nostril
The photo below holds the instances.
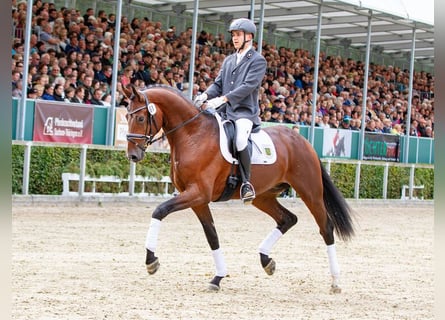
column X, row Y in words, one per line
column 133, row 158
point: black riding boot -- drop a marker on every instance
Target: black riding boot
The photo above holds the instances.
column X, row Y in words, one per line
column 247, row 192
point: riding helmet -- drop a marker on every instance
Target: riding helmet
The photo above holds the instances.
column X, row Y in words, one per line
column 243, row 24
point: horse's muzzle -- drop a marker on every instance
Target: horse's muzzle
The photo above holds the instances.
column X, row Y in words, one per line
column 134, row 158
column 135, row 154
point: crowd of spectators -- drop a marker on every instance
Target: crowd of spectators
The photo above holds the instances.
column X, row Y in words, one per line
column 72, row 56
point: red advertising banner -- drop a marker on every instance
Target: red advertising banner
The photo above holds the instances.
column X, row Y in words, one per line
column 54, row 122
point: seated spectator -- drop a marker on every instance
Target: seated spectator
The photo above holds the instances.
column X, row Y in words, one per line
column 32, row 93
column 324, row 123
column 48, row 39
column 167, row 78
column 355, row 124
column 97, row 97
column 58, row 93
column 387, row 125
column 346, row 123
column 289, row 117
column 266, row 116
column 73, row 44
column 48, row 92
column 397, row 129
column 79, row 95
column 142, row 73
column 17, row 92
column 371, row 126
column 40, row 90
column 429, row 133
column 333, row 122
column 127, row 76
column 69, row 94
column 15, row 79
column 106, row 99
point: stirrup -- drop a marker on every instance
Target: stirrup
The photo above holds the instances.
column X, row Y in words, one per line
column 247, row 192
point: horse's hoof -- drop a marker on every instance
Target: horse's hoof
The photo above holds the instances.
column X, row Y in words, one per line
column 335, row 289
column 214, row 284
column 153, row 267
column 213, row 287
column 270, row 268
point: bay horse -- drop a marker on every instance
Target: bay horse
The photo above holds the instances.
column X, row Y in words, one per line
column 199, row 173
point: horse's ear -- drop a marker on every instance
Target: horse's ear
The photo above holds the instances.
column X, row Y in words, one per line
column 127, row 91
column 136, row 93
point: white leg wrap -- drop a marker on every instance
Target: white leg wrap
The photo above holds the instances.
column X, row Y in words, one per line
column 270, row 241
column 333, row 263
column 152, row 235
column 220, row 264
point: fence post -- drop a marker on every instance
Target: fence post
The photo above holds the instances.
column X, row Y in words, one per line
column 83, row 161
column 131, row 178
column 328, row 166
column 385, row 181
column 357, row 180
column 26, row 165
column 411, row 181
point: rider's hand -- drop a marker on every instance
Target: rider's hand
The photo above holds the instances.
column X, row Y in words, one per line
column 215, row 103
column 210, row 111
column 200, row 99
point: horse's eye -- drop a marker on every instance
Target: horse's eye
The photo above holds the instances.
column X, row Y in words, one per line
column 140, row 119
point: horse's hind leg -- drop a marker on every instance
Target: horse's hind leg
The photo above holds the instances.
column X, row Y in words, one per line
column 315, row 204
column 285, row 220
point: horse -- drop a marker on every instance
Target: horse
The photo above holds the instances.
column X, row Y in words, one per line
column 199, row 172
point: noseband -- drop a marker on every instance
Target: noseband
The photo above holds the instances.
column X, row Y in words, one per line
column 148, row 137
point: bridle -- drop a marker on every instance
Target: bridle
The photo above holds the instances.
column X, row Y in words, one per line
column 148, row 137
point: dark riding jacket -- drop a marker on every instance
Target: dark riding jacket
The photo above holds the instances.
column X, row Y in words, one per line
column 240, row 84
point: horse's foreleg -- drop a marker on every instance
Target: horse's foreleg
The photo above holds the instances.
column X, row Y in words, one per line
column 221, row 269
column 205, row 217
column 164, row 209
column 151, row 241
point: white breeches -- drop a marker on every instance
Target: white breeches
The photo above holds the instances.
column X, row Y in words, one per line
column 243, row 129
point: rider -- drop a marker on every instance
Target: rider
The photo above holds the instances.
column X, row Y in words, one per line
column 236, row 87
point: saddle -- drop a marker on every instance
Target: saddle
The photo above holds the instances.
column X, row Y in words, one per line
column 260, row 147
column 260, row 143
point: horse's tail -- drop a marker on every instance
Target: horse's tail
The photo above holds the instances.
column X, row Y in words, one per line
column 337, row 208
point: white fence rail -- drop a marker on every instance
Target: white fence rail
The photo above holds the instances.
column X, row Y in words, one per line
column 145, row 181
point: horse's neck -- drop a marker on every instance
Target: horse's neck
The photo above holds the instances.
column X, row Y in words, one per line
column 181, row 122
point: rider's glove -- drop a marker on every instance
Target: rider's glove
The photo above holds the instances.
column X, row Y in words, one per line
column 215, row 103
column 200, row 99
column 210, row 111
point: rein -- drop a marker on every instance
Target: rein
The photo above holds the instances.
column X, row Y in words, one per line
column 148, row 136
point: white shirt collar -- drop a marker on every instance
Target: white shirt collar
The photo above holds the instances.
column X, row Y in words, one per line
column 240, row 56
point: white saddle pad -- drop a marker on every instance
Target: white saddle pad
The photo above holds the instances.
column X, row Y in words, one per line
column 263, row 149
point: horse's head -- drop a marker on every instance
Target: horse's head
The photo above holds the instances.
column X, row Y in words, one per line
column 144, row 122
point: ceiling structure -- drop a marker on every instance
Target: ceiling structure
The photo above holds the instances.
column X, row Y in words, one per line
column 344, row 22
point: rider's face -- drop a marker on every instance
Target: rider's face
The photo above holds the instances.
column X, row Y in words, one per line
column 238, row 38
